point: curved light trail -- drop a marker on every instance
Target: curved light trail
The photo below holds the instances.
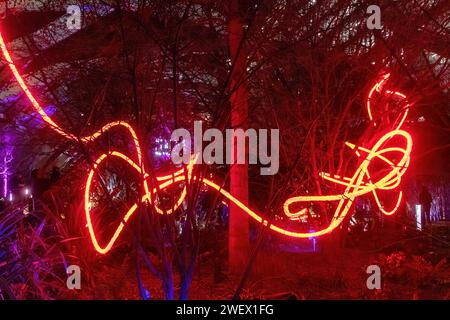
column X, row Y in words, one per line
column 358, row 184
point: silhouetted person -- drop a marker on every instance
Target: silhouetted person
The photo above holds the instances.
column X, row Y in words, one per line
column 37, row 184
column 55, row 174
column 2, row 204
column 17, row 183
column 425, row 200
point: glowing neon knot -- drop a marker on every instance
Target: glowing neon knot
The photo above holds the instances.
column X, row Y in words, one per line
column 362, row 182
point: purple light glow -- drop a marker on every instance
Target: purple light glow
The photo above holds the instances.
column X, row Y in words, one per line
column 6, row 159
column 162, row 148
column 34, row 119
column 5, row 184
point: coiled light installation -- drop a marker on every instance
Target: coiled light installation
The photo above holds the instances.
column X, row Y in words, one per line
column 394, row 144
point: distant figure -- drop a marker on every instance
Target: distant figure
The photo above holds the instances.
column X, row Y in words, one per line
column 425, row 200
column 37, row 184
column 55, row 174
column 2, row 204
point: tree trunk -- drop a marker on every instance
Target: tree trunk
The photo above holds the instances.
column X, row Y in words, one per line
column 238, row 241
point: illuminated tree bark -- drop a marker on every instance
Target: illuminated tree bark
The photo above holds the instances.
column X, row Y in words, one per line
column 238, row 241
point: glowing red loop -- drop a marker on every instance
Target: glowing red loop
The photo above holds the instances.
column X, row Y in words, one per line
column 360, row 183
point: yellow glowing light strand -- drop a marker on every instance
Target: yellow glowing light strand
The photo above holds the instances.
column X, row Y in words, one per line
column 357, row 185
